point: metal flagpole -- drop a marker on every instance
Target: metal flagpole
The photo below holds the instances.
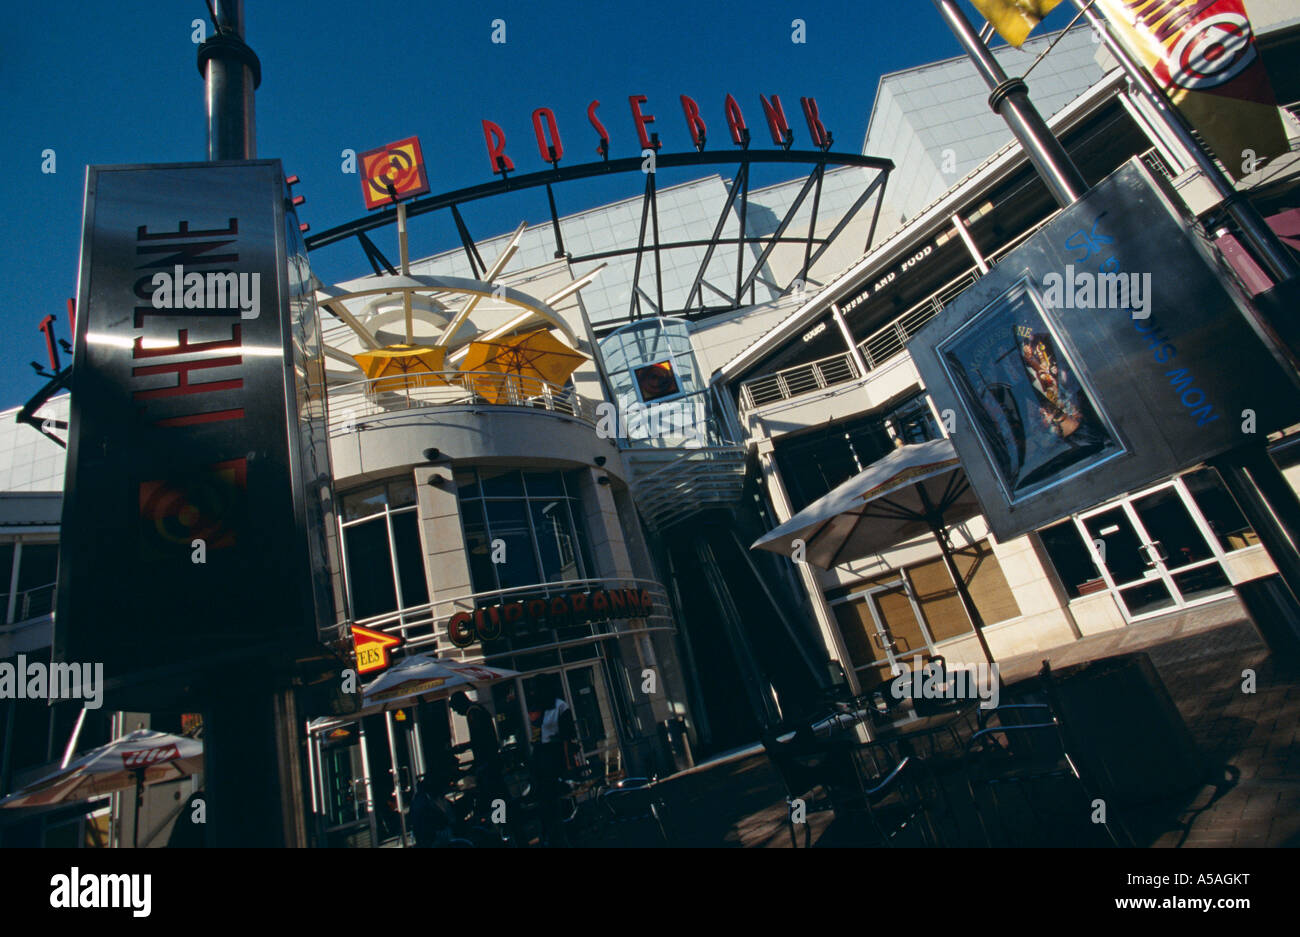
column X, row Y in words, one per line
column 1281, row 263
column 1010, row 101
column 1262, row 494
column 248, row 727
column 405, row 254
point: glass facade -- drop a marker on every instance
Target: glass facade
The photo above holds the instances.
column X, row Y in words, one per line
column 522, row 528
column 381, row 550
column 814, row 462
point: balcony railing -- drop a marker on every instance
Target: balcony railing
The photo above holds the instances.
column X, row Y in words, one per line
column 31, row 603
column 800, row 379
column 424, row 627
column 887, row 342
column 351, row 405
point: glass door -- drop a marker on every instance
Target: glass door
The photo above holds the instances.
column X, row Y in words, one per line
column 1182, row 542
column 882, row 629
column 1155, row 552
column 344, row 781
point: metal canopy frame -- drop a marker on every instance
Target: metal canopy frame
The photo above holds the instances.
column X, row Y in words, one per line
column 748, row 274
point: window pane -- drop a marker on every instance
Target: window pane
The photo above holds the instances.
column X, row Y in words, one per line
column 555, row 540
column 543, row 484
column 410, row 559
column 363, row 503
column 467, row 484
column 508, row 521
column 401, row 493
column 6, row 570
column 1069, row 554
column 579, row 529
column 1221, row 512
column 481, row 571
column 38, row 565
column 370, row 569
column 501, row 483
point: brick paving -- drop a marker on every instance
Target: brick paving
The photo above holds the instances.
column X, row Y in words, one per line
column 1250, row 743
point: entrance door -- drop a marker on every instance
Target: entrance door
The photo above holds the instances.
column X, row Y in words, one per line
column 893, row 631
column 1154, row 553
column 584, row 689
column 345, row 785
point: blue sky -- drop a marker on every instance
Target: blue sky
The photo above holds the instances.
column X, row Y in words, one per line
column 104, row 83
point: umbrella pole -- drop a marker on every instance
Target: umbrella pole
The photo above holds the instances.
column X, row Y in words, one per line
column 139, row 801
column 935, row 520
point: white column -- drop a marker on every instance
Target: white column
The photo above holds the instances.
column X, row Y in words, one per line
column 825, row 618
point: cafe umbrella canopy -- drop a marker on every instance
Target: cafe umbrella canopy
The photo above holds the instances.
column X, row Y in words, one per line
column 421, row 678
column 527, row 361
column 408, row 366
column 135, row 760
column 914, row 490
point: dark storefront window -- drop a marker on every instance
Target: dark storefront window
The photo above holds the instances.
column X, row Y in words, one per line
column 913, row 421
column 1070, row 556
column 531, row 522
column 38, row 568
column 381, row 544
column 812, row 463
column 1220, row 511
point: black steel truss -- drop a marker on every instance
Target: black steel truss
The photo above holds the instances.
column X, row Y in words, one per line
column 738, row 192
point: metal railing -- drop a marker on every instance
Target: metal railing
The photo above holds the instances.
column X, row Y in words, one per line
column 800, row 379
column 31, row 603
column 424, row 627
column 887, row 342
column 351, row 405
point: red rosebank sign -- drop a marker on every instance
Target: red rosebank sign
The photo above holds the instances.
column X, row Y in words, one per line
column 551, row 148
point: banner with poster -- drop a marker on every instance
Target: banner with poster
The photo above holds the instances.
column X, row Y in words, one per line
column 1040, row 422
column 1203, row 53
column 1107, row 351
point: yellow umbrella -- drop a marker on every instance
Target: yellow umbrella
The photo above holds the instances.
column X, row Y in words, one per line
column 526, row 361
column 411, row 366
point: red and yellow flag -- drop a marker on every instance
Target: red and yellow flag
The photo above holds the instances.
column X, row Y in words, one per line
column 1014, row 19
column 392, row 172
column 1202, row 52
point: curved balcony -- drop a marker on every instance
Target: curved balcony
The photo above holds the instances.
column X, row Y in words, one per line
column 353, row 405
column 424, row 628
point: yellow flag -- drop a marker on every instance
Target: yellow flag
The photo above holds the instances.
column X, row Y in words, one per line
column 1203, row 54
column 1013, row 19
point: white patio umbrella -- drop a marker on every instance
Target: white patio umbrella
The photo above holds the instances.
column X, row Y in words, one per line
column 425, row 677
column 141, row 758
column 421, row 677
column 914, row 490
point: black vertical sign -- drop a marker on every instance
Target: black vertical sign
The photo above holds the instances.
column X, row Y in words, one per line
column 195, row 538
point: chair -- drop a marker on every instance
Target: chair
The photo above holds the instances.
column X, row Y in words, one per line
column 1021, row 746
column 634, row 801
column 892, row 802
column 801, row 777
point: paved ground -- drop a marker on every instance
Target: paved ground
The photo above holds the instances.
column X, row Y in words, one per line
column 1250, row 743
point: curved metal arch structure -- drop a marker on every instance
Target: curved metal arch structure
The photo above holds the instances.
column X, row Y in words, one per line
column 648, row 241
column 531, row 308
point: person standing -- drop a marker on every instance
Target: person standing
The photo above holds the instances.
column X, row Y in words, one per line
column 552, row 760
column 489, row 768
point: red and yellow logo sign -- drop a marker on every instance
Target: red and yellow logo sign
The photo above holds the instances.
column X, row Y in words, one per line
column 372, row 648
column 207, row 503
column 393, row 172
